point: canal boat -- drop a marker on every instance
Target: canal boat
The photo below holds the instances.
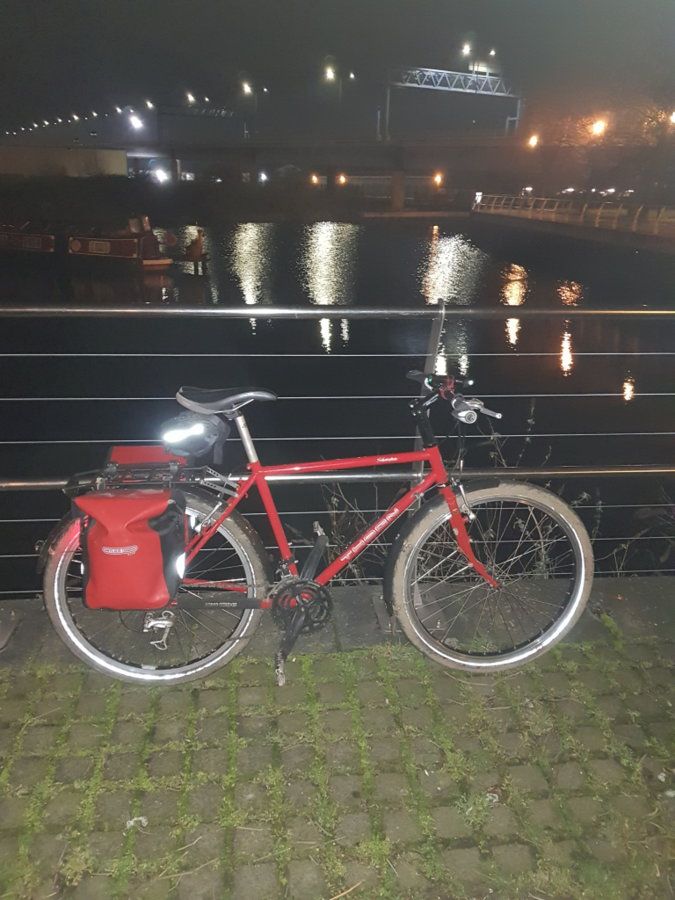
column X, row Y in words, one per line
column 23, row 240
column 137, row 243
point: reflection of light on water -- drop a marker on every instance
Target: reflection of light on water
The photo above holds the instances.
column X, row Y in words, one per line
column 251, row 260
column 451, row 268
column 328, row 259
column 254, row 324
column 326, row 332
column 629, row 388
column 515, row 285
column 441, row 365
column 344, row 330
column 512, row 329
column 566, row 352
column 463, row 364
column 570, row 292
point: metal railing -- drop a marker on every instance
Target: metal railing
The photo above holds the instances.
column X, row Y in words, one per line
column 603, row 214
column 35, row 524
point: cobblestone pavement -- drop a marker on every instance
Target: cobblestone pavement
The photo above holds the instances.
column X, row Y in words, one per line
column 373, row 773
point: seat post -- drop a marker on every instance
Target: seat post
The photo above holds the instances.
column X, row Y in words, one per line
column 245, row 436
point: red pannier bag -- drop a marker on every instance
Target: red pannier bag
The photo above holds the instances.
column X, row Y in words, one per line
column 133, row 547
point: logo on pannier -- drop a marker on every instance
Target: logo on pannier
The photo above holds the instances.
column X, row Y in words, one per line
column 120, row 551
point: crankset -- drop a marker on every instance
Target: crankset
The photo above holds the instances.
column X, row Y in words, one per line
column 298, row 606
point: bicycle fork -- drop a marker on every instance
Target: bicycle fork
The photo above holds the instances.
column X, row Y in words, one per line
column 462, row 537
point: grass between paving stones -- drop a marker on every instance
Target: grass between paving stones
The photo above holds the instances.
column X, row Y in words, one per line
column 568, row 711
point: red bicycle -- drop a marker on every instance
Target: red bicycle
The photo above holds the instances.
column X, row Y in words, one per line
column 483, row 579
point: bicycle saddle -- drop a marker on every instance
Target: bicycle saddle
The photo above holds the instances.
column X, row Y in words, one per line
column 219, row 400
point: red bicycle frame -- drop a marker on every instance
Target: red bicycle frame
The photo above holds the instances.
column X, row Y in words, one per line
column 437, row 476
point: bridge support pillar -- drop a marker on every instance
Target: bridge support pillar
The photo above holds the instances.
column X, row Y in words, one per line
column 397, row 191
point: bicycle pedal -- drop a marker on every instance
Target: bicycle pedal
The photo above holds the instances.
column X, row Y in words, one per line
column 280, row 669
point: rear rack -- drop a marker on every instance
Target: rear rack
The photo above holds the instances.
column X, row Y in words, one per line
column 116, row 476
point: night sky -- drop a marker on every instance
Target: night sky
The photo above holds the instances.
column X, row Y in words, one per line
column 63, row 56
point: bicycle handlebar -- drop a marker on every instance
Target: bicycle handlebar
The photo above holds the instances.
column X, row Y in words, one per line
column 465, row 410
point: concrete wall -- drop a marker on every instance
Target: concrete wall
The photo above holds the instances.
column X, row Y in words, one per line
column 76, row 162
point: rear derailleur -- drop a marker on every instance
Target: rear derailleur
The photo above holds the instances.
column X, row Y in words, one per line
column 300, row 605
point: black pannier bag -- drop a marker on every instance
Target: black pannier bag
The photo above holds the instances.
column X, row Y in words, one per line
column 133, row 547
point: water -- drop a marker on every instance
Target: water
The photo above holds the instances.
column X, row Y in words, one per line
column 345, row 264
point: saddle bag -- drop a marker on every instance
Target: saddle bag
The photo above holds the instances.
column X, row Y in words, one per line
column 133, row 547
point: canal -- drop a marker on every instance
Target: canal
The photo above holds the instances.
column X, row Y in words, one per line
column 573, row 391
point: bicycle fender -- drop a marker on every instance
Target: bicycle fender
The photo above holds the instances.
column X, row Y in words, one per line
column 45, row 548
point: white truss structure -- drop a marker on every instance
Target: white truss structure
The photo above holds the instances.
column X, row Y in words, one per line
column 460, row 82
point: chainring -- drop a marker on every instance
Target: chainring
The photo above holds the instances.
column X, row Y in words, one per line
column 297, row 592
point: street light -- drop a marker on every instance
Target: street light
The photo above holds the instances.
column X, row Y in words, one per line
column 438, row 179
column 342, row 179
column 672, row 118
column 136, row 122
column 466, row 49
column 599, row 127
column 533, row 141
column 314, row 178
column 246, row 87
column 352, row 76
column 493, row 52
column 118, row 109
column 190, row 98
column 149, row 104
column 329, row 73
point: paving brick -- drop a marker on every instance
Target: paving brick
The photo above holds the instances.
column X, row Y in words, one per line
column 73, row 768
column 292, row 723
column 113, row 810
column 569, row 777
column 585, row 810
column 297, row 758
column 556, row 684
column 84, row 736
column 424, row 751
column 379, row 720
column 160, row 806
column 513, row 745
column 352, row 829
column 205, row 802
column 439, row 785
column 301, row 793
column 384, row 751
column 39, row 739
column 390, row 787
column 401, row 827
column 27, row 771
column 463, row 865
column 365, row 876
column 513, row 859
column 409, row 877
column 254, row 758
column 342, row 755
column 606, row 771
column 527, row 779
column 591, row 738
column 336, row 722
column 254, row 726
column 134, row 701
column 346, row 790
column 212, row 762
column 246, row 697
column 12, row 811
column 104, row 846
column 168, row 762
column 304, row 836
column 501, row 824
column 543, row 813
column 331, row 693
column 206, row 884
column 94, row 887
column 129, row 734
column 168, row 730
column 561, row 852
column 91, row 705
column 251, row 844
column 417, row 717
column 175, row 703
column 305, row 880
column 632, row 735
column 121, row 766
column 213, row 730
column 63, row 809
column 450, row 823
column 259, row 881
column 251, row 797
column 605, row 851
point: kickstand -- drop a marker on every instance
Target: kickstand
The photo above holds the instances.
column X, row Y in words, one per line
column 290, row 637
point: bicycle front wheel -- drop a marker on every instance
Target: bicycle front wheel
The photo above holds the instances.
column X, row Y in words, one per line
column 202, row 637
column 530, row 541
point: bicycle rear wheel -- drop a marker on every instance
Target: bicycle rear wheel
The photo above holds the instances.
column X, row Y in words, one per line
column 202, row 637
column 530, row 540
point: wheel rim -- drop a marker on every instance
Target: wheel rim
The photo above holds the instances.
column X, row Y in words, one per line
column 201, row 637
column 534, row 553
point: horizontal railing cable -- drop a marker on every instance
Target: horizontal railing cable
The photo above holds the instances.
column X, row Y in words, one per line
column 333, row 356
column 308, row 397
column 322, row 312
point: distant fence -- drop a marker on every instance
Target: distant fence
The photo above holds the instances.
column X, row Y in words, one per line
column 76, row 380
column 603, row 214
